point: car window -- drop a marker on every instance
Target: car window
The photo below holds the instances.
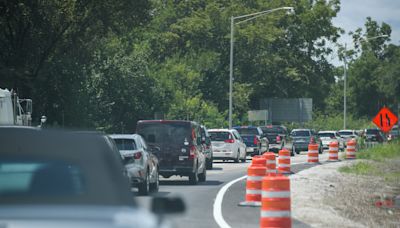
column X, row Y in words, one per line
column 248, row 131
column 40, row 178
column 326, row 135
column 165, row 133
column 220, row 136
column 125, row 144
column 236, row 134
column 372, row 131
column 143, row 142
column 345, row 133
column 301, row 133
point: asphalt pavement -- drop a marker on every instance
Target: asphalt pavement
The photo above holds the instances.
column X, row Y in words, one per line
column 200, row 198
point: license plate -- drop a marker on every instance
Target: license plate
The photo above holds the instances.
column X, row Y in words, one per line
column 182, row 158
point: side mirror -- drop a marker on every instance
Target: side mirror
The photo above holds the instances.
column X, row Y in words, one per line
column 167, row 205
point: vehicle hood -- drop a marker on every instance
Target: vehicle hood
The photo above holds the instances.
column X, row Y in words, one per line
column 75, row 216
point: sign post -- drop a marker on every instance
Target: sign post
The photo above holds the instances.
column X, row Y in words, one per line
column 385, row 119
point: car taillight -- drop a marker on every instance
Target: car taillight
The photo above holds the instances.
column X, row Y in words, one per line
column 137, row 155
column 278, row 139
column 256, row 140
column 192, row 152
column 229, row 141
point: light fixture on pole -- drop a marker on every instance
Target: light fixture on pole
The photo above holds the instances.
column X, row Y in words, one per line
column 245, row 18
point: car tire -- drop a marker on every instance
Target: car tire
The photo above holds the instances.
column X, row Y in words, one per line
column 243, row 160
column 194, row 178
column 156, row 185
column 203, row 176
column 144, row 187
column 209, row 164
column 236, row 160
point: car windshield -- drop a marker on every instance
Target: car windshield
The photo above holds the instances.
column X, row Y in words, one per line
column 275, row 130
column 301, row 133
column 164, row 133
column 345, row 133
column 247, row 131
column 40, row 179
column 326, row 135
column 220, row 136
column 372, row 131
column 125, row 144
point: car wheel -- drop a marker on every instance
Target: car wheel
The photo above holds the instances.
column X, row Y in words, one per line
column 203, row 175
column 194, row 178
column 244, row 158
column 209, row 164
column 237, row 157
column 156, row 185
column 144, row 187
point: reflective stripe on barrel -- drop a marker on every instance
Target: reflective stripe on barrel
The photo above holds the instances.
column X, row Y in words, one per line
column 351, row 149
column 270, row 162
column 313, row 153
column 255, row 174
column 333, row 151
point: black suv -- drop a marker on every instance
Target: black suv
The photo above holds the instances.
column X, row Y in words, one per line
column 180, row 147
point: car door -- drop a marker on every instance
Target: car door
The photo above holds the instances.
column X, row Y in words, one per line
column 149, row 158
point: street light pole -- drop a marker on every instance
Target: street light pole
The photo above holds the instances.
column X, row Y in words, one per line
column 245, row 18
column 231, row 72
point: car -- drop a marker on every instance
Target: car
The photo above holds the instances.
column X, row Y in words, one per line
column 139, row 161
column 374, row 135
column 180, row 148
column 346, row 135
column 329, row 136
column 252, row 136
column 206, row 142
column 227, row 145
column 301, row 138
column 277, row 136
column 63, row 179
column 394, row 133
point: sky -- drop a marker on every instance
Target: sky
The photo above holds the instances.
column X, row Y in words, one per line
column 353, row 14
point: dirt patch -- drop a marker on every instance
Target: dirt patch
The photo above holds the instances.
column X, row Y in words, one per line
column 324, row 197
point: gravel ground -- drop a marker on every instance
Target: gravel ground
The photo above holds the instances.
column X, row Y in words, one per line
column 324, row 197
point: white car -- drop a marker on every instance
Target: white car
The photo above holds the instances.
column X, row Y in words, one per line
column 227, row 145
column 330, row 136
column 346, row 135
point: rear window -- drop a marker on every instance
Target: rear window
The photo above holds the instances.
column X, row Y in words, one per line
column 326, row 135
column 372, row 131
column 164, row 133
column 220, row 136
column 43, row 179
column 247, row 131
column 276, row 130
column 345, row 133
column 301, row 133
column 125, row 144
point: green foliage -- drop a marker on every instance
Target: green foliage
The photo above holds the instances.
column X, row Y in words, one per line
column 381, row 152
column 360, row 168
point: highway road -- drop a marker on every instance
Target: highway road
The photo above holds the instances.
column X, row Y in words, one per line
column 202, row 210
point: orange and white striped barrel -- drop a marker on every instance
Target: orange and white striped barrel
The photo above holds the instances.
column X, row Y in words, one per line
column 333, row 151
column 351, row 149
column 284, row 161
column 255, row 174
column 275, row 204
column 270, row 163
column 312, row 153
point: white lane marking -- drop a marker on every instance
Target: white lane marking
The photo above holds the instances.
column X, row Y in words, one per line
column 217, row 208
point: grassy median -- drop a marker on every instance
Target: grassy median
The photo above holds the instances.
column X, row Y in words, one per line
column 382, row 160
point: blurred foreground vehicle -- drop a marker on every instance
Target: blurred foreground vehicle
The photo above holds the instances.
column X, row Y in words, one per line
column 63, row 179
column 329, row 136
column 181, row 150
column 253, row 137
column 227, row 145
column 140, row 162
column 276, row 135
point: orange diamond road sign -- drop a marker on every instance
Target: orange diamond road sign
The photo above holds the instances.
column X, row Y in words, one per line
column 385, row 119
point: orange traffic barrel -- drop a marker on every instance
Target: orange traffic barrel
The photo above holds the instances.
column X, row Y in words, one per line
column 255, row 173
column 312, row 153
column 284, row 161
column 333, row 151
column 270, row 163
column 351, row 149
column 275, row 204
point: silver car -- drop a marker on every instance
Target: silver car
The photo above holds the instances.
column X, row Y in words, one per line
column 140, row 163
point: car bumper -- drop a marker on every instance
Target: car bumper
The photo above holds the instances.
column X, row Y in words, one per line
column 301, row 146
column 136, row 175
column 183, row 171
column 223, row 154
